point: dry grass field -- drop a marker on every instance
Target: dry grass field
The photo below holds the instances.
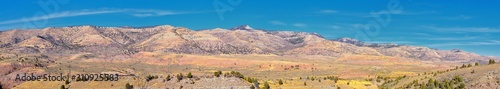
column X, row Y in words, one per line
column 293, row 70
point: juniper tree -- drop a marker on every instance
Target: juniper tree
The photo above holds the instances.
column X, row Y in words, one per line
column 66, row 82
column 217, row 73
column 179, row 77
column 128, row 86
column 168, row 78
column 266, row 86
column 190, row 75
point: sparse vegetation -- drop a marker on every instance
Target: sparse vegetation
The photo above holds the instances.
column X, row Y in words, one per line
column 476, row 64
column 251, row 80
column 217, row 73
column 305, row 84
column 179, row 77
column 66, row 82
column 168, row 78
column 433, row 83
column 266, row 85
column 463, row 66
column 151, row 77
column 280, row 82
column 190, row 75
column 461, row 86
column 236, row 74
column 252, row 87
column 62, row 87
column 491, row 62
column 128, row 86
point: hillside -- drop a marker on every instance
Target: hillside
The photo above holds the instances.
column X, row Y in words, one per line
column 474, row 77
column 266, row 56
column 238, row 40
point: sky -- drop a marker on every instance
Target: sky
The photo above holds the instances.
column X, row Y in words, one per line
column 443, row 24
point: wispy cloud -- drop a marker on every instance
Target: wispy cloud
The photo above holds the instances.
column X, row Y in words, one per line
column 393, row 42
column 328, row 11
column 346, row 26
column 422, row 34
column 479, row 43
column 60, row 15
column 277, row 22
column 148, row 13
column 372, row 14
column 460, row 17
column 452, row 38
column 406, row 12
column 335, row 27
column 464, row 29
column 300, row 25
column 63, row 14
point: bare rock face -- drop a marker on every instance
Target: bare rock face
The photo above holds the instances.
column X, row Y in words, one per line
column 110, row 41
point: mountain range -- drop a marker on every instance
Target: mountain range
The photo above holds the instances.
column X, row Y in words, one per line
column 115, row 41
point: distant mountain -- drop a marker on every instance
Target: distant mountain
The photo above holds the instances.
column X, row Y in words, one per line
column 242, row 27
column 112, row 41
column 416, row 52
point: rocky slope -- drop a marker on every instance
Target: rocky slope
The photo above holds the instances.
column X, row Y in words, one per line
column 111, row 41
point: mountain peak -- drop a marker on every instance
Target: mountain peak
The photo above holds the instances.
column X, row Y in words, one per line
column 347, row 39
column 242, row 27
column 350, row 41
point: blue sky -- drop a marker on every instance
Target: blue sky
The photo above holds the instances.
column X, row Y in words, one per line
column 444, row 24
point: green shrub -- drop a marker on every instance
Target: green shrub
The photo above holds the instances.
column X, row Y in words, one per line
column 190, row 75
column 217, row 73
column 179, row 77
column 150, row 77
column 128, row 86
column 461, row 86
column 266, row 86
column 168, row 78
column 491, row 62
column 66, row 82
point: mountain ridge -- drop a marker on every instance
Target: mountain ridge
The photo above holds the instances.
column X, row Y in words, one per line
column 238, row 40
